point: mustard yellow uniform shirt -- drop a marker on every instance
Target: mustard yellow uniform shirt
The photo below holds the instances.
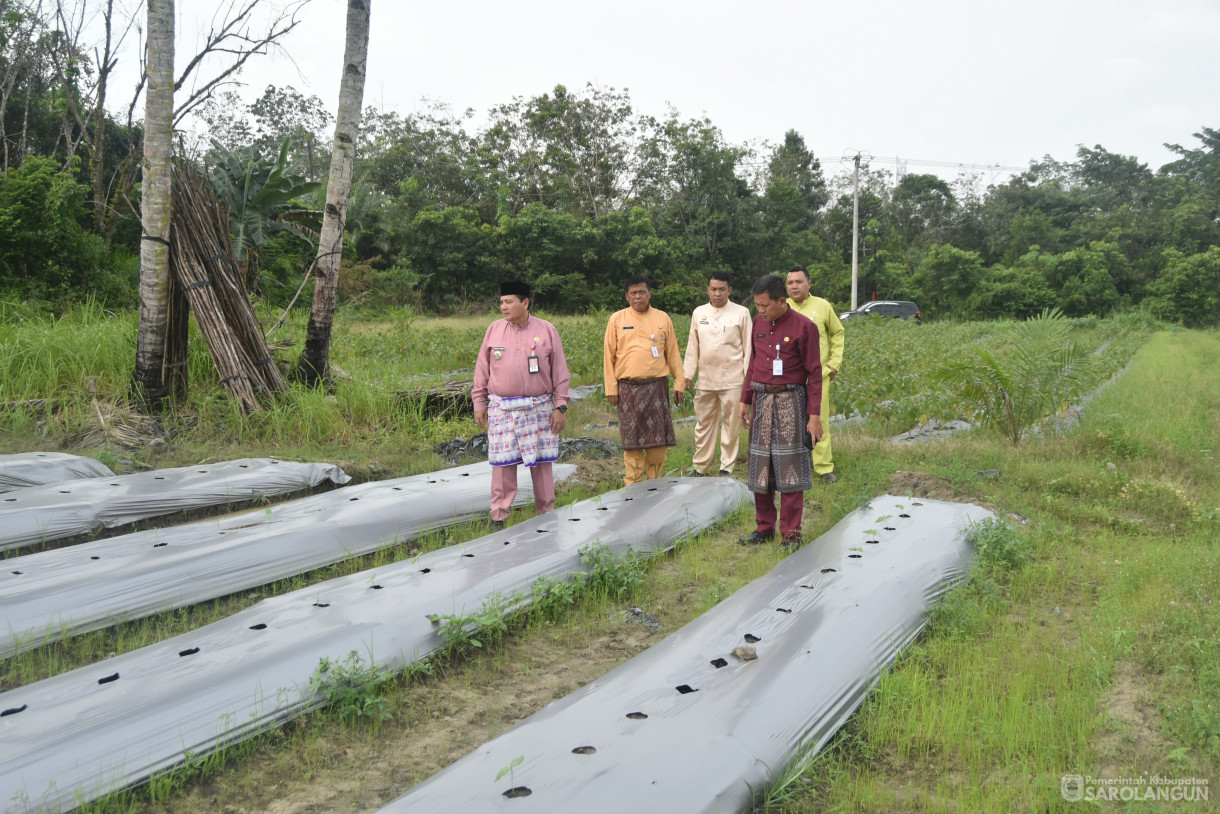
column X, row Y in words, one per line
column 830, row 328
column 627, row 350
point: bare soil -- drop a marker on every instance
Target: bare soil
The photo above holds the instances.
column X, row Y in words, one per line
column 362, row 767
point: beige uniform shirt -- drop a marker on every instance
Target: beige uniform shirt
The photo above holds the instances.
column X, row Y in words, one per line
column 830, row 329
column 719, row 346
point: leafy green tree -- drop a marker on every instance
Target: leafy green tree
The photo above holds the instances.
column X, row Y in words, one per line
column 923, row 208
column 455, row 253
column 790, row 205
column 1088, row 280
column 628, row 243
column 547, row 248
column 838, row 223
column 1019, row 292
column 703, row 204
column 1037, row 207
column 45, row 253
column 286, row 115
column 565, row 150
column 947, row 276
column 1188, row 289
column 1200, row 165
column 426, row 156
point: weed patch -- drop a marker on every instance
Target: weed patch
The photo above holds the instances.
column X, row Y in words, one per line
column 349, row 688
column 615, row 578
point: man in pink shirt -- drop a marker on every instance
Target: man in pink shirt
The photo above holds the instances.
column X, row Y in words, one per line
column 521, row 398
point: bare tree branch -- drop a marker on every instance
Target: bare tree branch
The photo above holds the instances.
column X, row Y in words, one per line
column 231, row 34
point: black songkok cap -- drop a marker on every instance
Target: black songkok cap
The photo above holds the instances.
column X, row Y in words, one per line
column 514, row 288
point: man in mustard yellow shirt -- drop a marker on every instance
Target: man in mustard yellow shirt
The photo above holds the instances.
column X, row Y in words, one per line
column 639, row 353
column 830, row 330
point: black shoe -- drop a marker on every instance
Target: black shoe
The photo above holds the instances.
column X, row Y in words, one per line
column 830, row 477
column 695, row 473
column 498, row 525
column 724, row 473
column 792, row 542
column 756, row 538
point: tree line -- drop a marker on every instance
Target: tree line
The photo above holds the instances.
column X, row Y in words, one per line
column 573, row 191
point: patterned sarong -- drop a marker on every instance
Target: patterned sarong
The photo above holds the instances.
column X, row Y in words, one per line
column 779, row 459
column 519, row 431
column 643, row 414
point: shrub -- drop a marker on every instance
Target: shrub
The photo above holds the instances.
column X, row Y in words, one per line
column 45, row 253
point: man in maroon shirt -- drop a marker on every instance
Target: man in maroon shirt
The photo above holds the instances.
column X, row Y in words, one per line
column 781, row 398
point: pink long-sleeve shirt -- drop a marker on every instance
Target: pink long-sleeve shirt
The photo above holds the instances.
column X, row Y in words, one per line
column 508, row 375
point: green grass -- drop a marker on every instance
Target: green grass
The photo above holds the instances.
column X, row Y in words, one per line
column 1026, row 673
column 1022, row 679
column 86, row 358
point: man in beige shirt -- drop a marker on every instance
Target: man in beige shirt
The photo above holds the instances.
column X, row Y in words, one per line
column 718, row 350
column 830, row 329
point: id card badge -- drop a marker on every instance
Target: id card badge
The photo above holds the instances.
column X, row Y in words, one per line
column 532, row 361
column 777, row 367
column 656, row 353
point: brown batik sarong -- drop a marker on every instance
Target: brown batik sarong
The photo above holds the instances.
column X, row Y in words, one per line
column 643, row 414
column 779, row 459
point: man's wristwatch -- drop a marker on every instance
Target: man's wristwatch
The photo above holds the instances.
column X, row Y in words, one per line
column 563, row 408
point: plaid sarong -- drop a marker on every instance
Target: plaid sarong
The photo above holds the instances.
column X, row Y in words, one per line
column 519, row 431
column 779, row 459
column 643, row 414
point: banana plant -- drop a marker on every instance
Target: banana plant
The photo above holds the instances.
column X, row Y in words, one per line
column 262, row 195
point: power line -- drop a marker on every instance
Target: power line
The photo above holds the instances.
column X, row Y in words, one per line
column 921, row 162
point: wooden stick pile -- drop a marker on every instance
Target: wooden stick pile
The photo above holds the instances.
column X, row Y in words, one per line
column 202, row 263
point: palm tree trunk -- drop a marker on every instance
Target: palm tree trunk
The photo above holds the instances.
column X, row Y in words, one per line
column 314, row 363
column 148, row 378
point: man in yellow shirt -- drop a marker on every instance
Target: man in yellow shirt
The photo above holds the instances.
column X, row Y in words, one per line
column 830, row 329
column 639, row 353
column 718, row 350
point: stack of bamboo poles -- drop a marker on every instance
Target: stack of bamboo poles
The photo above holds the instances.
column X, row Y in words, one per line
column 203, row 267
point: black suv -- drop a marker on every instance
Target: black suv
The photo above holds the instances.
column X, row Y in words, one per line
column 901, row 309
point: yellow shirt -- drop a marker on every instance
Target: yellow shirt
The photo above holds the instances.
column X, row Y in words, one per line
column 719, row 346
column 627, row 350
column 830, row 329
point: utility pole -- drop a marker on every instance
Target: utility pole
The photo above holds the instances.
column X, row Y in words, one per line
column 855, row 224
column 857, row 156
column 855, row 230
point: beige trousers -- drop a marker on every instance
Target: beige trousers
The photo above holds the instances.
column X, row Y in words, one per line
column 714, row 407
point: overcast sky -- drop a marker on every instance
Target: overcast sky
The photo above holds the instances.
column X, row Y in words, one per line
column 994, row 82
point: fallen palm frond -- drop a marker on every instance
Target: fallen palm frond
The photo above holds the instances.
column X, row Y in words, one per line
column 448, row 400
column 118, row 425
